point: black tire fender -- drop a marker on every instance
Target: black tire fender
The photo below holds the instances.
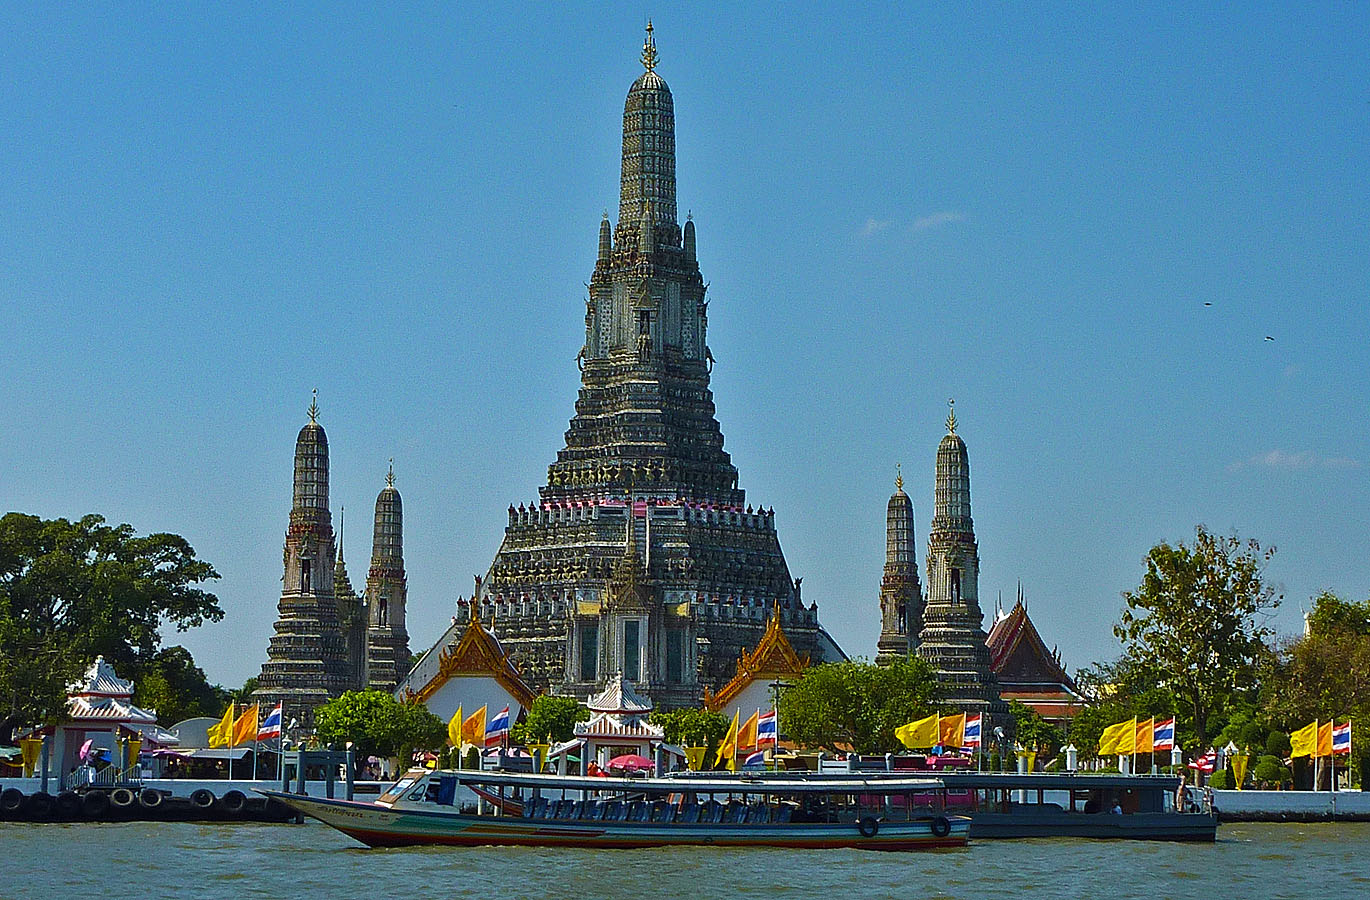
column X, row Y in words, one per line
column 233, row 802
column 68, row 804
column 39, row 805
column 869, row 826
column 941, row 826
column 150, row 798
column 95, row 804
column 11, row 800
column 122, row 798
column 202, row 798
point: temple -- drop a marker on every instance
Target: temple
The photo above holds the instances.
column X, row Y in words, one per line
column 1027, row 671
column 952, row 639
column 641, row 554
column 327, row 639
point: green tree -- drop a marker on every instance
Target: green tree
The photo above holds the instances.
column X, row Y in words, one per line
column 1034, row 732
column 857, row 705
column 1123, row 689
column 1323, row 674
column 550, row 718
column 71, row 591
column 244, row 693
column 1197, row 622
column 177, row 689
column 1272, row 770
column 693, row 727
column 376, row 724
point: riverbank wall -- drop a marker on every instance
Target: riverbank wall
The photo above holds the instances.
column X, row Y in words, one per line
column 1292, row 806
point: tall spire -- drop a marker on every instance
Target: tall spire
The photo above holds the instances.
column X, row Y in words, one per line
column 901, row 594
column 648, row 170
column 387, row 640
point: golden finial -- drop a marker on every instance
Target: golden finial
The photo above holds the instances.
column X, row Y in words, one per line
column 390, row 476
column 314, row 407
column 649, row 49
column 898, row 477
column 951, row 417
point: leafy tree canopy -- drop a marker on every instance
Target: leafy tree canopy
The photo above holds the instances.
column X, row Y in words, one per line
column 1034, row 732
column 376, row 724
column 1331, row 615
column 177, row 689
column 857, row 705
column 550, row 719
column 1123, row 689
column 1197, row 622
column 693, row 727
column 71, row 591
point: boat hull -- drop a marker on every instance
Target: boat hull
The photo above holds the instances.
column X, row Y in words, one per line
column 1132, row 827
column 379, row 826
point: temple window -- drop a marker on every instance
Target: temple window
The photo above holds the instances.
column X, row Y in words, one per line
column 632, row 650
column 589, row 652
column 675, row 656
column 304, row 576
column 955, row 585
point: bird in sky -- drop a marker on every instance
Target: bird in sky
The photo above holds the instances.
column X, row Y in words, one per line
column 1269, row 338
column 1208, row 303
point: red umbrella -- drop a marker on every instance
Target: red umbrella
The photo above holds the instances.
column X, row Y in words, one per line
column 630, row 762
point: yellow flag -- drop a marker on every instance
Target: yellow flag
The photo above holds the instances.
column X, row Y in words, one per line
column 245, row 729
column 1146, row 736
column 1239, row 763
column 1116, row 737
column 952, row 730
column 694, row 757
column 454, row 729
column 1304, row 742
column 220, row 734
column 473, row 728
column 920, row 734
column 746, row 735
column 727, row 748
column 1325, row 739
column 135, row 746
column 31, row 750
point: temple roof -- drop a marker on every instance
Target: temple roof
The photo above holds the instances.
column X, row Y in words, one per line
column 619, row 697
column 773, row 655
column 100, row 679
column 478, row 652
column 1019, row 655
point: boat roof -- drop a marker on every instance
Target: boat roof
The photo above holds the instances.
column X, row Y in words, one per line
column 783, row 783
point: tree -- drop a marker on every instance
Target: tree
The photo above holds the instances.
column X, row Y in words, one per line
column 177, row 689
column 1035, row 732
column 1116, row 691
column 71, row 591
column 1194, row 621
column 1325, row 673
column 693, row 727
column 376, row 724
column 244, row 693
column 1271, row 770
column 551, row 719
column 857, row 705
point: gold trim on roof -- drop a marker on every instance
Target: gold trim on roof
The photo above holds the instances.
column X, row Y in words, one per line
column 478, row 652
column 773, row 655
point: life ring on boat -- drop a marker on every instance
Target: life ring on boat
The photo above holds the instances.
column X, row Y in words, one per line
column 149, row 798
column 941, row 826
column 68, row 804
column 122, row 798
column 233, row 802
column 39, row 805
column 869, row 826
column 11, row 800
column 202, row 799
column 95, row 804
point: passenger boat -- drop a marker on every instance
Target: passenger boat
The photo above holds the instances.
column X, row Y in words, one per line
column 522, row 809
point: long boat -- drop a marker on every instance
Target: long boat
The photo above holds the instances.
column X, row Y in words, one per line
column 520, row 809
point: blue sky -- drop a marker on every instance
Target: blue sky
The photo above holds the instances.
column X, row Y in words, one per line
column 207, row 213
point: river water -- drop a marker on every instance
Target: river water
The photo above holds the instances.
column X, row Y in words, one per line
column 168, row 860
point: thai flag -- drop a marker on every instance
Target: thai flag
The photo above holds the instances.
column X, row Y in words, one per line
column 971, row 738
column 498, row 729
column 1164, row 738
column 271, row 727
column 1341, row 738
column 765, row 728
column 754, row 760
column 1205, row 763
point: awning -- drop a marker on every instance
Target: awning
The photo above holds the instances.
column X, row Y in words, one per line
column 218, row 753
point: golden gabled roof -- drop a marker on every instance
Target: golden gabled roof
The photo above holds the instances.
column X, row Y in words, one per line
column 773, row 655
column 478, row 652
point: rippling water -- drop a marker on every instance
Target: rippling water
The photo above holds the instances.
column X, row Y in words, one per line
column 140, row 860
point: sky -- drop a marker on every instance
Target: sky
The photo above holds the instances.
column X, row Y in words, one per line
column 1129, row 240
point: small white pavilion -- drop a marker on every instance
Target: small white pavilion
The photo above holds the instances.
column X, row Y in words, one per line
column 618, row 725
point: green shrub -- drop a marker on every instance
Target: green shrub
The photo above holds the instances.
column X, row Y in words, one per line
column 1277, row 744
column 1221, row 781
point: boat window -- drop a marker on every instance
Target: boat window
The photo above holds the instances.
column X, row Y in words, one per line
column 398, row 788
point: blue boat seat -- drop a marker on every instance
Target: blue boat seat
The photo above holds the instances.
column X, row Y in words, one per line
column 563, row 810
column 712, row 812
column 594, row 810
column 759, row 813
column 735, row 813
column 638, row 811
column 576, row 810
column 615, row 811
column 662, row 811
column 538, row 808
column 783, row 814
column 688, row 814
